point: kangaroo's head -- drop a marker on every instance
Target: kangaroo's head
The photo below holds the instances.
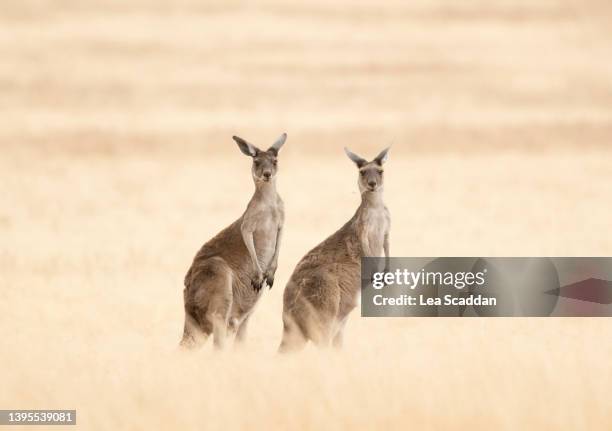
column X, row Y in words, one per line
column 265, row 165
column 371, row 178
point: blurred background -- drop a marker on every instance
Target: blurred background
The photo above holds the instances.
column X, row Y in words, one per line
column 117, row 164
column 427, row 75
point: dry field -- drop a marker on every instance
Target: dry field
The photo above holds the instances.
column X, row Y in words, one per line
column 116, row 164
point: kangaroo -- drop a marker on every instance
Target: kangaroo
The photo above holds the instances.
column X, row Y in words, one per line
column 324, row 286
column 226, row 277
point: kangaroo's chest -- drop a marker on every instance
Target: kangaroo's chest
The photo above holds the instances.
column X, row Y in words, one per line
column 373, row 226
column 268, row 222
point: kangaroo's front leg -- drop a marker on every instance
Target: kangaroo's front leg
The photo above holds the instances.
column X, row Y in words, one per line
column 367, row 252
column 247, row 236
column 386, row 249
column 269, row 275
column 365, row 247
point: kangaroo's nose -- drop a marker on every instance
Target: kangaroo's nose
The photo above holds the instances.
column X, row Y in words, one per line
column 267, row 174
column 372, row 183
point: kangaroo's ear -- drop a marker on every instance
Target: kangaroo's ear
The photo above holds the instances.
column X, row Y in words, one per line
column 382, row 157
column 355, row 158
column 245, row 147
column 278, row 144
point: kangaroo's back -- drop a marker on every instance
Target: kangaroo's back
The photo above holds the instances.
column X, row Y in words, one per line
column 341, row 247
column 227, row 244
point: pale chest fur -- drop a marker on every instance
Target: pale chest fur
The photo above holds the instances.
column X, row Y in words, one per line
column 267, row 217
column 372, row 226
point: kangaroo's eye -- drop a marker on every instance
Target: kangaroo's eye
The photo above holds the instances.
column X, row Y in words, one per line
column 362, row 173
column 381, row 172
column 275, row 162
column 257, row 163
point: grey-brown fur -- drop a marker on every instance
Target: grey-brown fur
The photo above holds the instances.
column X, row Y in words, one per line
column 227, row 275
column 325, row 285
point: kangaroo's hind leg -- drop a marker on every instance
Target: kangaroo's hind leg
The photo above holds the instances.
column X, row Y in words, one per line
column 242, row 330
column 220, row 301
column 193, row 335
column 338, row 340
column 208, row 300
column 295, row 316
column 195, row 331
column 323, row 303
column 293, row 337
column 346, row 306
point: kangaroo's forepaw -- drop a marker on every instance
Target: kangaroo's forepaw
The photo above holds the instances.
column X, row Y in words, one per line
column 270, row 281
column 269, row 277
column 257, row 284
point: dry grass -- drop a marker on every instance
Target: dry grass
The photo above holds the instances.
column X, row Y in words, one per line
column 116, row 164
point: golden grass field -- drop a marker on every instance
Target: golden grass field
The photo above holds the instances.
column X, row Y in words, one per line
column 117, row 163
